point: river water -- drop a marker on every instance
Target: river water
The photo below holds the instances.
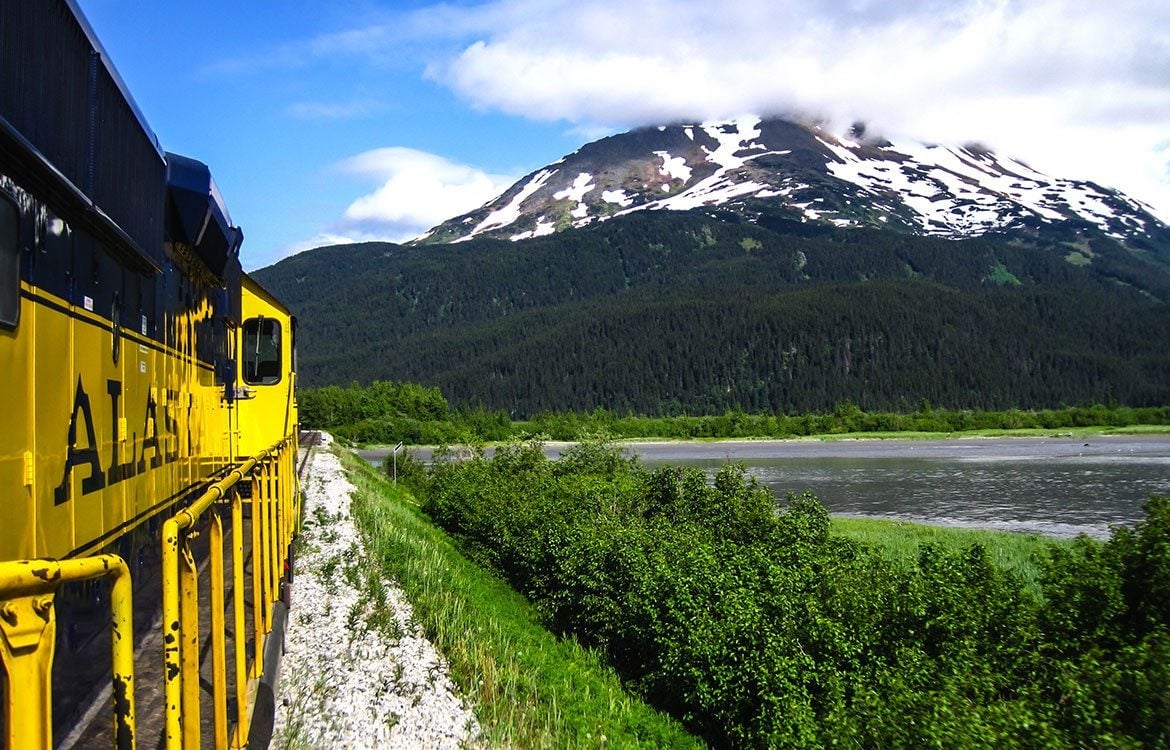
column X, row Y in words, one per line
column 1052, row 486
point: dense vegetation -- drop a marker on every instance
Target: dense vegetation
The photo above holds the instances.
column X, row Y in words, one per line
column 667, row 313
column 528, row 688
column 763, row 628
column 387, row 412
column 845, row 418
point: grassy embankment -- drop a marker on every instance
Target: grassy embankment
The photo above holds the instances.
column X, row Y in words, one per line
column 528, row 688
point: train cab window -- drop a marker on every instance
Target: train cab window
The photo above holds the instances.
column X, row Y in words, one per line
column 261, row 351
column 9, row 263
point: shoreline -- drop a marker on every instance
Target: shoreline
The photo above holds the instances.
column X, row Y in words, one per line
column 805, row 444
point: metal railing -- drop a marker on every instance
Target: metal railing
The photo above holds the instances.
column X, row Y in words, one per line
column 28, row 622
column 275, row 506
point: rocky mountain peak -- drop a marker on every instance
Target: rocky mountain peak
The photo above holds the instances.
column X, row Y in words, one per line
column 757, row 169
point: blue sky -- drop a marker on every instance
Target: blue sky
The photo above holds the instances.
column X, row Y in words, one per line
column 350, row 120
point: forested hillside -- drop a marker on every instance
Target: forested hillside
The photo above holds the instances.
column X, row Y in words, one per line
column 668, row 313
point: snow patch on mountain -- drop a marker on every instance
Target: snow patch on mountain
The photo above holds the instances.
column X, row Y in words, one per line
column 959, row 191
column 510, row 213
column 616, row 196
column 674, row 167
column 576, row 192
column 733, row 138
column 542, row 228
column 713, row 191
column 734, row 144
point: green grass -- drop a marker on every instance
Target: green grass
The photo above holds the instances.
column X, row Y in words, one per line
column 1137, row 429
column 900, row 540
column 527, row 687
column 1050, row 432
column 1002, row 276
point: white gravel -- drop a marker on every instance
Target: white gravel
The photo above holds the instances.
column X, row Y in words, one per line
column 346, row 682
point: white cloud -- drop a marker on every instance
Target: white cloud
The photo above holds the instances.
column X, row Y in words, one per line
column 417, row 191
column 334, row 110
column 1077, row 87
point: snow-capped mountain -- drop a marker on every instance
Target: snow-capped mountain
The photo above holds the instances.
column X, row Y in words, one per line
column 755, row 168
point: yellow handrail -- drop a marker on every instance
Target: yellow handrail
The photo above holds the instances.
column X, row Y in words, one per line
column 274, row 494
column 28, row 623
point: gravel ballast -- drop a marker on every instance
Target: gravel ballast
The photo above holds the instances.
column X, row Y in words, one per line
column 344, row 681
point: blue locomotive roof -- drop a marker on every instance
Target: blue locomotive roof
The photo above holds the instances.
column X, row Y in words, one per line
column 198, row 215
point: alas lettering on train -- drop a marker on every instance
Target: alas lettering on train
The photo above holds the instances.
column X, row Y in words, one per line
column 147, row 378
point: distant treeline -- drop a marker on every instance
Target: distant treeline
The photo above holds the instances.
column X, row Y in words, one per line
column 845, row 418
column 387, row 412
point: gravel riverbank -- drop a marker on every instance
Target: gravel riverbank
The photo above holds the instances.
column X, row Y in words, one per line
column 347, row 683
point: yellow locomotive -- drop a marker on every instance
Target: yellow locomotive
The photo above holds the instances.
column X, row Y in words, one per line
column 149, row 427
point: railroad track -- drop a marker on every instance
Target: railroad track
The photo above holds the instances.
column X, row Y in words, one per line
column 309, row 439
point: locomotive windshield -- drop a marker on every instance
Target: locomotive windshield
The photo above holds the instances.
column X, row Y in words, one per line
column 261, row 351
